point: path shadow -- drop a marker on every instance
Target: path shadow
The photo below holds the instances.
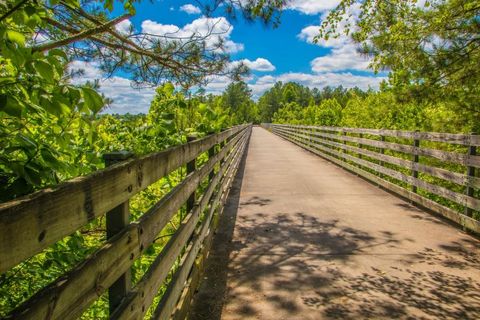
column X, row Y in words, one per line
column 299, row 262
column 209, row 298
column 293, row 263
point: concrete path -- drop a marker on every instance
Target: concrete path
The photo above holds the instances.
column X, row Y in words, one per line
column 303, row 239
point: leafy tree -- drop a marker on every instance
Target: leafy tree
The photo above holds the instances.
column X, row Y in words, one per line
column 47, row 125
column 270, row 102
column 238, row 98
column 432, row 48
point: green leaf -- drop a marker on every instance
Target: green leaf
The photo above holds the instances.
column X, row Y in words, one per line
column 93, row 101
column 32, row 176
column 11, row 106
column 45, row 70
column 58, row 53
column 16, row 37
column 49, row 158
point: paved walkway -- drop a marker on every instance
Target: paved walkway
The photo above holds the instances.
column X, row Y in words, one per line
column 303, row 239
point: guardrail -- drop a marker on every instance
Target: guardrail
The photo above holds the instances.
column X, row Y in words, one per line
column 438, row 171
column 31, row 224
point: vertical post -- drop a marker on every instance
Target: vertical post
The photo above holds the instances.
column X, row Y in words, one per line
column 312, row 136
column 211, row 154
column 416, row 144
column 191, row 166
column 472, row 151
column 360, row 145
column 344, row 133
column 220, row 147
column 117, row 219
column 382, row 151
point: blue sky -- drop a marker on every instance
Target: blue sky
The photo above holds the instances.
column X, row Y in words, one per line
column 286, row 53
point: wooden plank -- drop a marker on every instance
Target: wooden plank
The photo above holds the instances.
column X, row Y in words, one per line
column 461, row 219
column 443, row 192
column 116, row 220
column 194, row 279
column 30, row 224
column 136, row 305
column 168, row 302
column 458, row 178
column 453, row 157
column 69, row 296
column 453, row 138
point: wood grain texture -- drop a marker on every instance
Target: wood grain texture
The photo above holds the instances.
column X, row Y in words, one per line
column 459, row 218
column 30, row 224
column 461, row 139
column 69, row 296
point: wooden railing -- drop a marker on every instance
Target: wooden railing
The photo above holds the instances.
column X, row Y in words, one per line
column 438, row 171
column 31, row 224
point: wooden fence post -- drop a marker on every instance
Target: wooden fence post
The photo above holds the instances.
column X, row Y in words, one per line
column 360, row 145
column 117, row 219
column 416, row 144
column 191, row 166
column 211, row 153
column 382, row 151
column 472, row 151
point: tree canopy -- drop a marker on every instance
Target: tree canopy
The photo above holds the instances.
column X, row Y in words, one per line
column 432, row 47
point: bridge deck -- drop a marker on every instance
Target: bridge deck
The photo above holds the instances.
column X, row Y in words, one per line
column 303, row 239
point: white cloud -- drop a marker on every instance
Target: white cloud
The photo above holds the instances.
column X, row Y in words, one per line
column 217, row 84
column 124, row 26
column 125, row 97
column 340, row 59
column 343, row 53
column 312, row 6
column 346, row 79
column 190, row 9
column 128, row 99
column 309, row 33
column 210, row 30
column 260, row 64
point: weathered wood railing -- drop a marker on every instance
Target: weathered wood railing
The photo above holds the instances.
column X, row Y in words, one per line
column 31, row 224
column 432, row 170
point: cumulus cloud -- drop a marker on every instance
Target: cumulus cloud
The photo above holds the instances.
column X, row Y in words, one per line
column 210, row 30
column 126, row 98
column 346, row 79
column 129, row 99
column 343, row 53
column 340, row 59
column 260, row 64
column 124, row 26
column 190, row 9
column 312, row 6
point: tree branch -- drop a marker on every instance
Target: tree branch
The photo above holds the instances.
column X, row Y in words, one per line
column 13, row 9
column 81, row 35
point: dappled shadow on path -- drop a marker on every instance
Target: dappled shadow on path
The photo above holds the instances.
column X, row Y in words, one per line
column 295, row 265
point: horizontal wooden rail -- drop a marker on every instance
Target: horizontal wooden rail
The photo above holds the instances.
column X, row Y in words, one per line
column 30, row 224
column 461, row 139
column 73, row 293
column 453, row 157
column 367, row 158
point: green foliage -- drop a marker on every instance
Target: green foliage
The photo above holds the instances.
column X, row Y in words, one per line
column 76, row 148
column 238, row 99
column 433, row 51
column 381, row 110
